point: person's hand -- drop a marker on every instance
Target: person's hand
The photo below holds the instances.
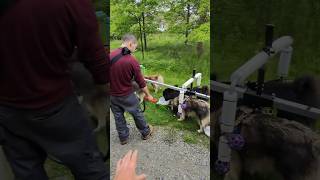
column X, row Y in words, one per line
column 126, row 167
column 149, row 97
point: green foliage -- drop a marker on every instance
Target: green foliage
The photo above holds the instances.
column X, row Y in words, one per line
column 201, row 33
column 127, row 14
column 178, row 19
column 239, row 33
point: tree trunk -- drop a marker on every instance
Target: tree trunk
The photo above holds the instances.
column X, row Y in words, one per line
column 187, row 24
column 144, row 31
column 141, row 34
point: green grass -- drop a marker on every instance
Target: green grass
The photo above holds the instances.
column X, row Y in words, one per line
column 169, row 56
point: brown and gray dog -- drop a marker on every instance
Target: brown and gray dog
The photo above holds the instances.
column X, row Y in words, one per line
column 284, row 147
column 157, row 78
column 287, row 150
column 193, row 107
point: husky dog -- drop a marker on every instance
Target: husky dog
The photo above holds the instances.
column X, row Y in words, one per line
column 193, row 107
column 287, row 149
column 157, row 78
column 278, row 145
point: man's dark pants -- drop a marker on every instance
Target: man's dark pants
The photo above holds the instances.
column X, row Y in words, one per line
column 129, row 103
column 63, row 132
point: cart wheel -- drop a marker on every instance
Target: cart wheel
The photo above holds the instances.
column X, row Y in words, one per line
column 222, row 167
column 235, row 141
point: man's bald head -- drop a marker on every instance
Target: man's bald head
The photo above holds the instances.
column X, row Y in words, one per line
column 129, row 41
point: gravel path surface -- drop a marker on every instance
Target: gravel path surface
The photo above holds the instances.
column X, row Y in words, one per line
column 164, row 156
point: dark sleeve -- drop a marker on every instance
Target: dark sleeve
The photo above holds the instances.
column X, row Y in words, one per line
column 138, row 77
column 91, row 51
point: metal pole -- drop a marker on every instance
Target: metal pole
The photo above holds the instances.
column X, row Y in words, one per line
column 178, row 88
column 268, row 50
column 162, row 84
column 193, row 74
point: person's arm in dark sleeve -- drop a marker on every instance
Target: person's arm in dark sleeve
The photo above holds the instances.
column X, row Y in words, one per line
column 91, row 51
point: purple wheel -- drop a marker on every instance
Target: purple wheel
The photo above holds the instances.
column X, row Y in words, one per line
column 222, row 167
column 236, row 141
column 184, row 106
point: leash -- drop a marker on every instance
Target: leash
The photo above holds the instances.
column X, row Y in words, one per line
column 153, row 101
column 144, row 106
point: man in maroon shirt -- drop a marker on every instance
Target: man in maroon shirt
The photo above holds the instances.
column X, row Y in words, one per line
column 39, row 112
column 124, row 69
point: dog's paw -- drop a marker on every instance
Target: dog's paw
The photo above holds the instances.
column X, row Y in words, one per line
column 200, row 130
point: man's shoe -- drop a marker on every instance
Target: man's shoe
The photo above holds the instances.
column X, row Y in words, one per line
column 149, row 134
column 123, row 142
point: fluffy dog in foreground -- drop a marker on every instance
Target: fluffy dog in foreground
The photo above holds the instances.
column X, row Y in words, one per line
column 157, row 78
column 287, row 149
column 283, row 147
column 193, row 107
column 96, row 104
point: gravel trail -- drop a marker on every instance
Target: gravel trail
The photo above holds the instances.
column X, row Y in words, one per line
column 164, row 156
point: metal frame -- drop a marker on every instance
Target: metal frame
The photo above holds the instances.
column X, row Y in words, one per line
column 230, row 95
column 183, row 90
column 236, row 90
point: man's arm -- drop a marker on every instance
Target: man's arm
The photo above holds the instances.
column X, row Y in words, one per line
column 140, row 79
column 91, row 51
column 146, row 91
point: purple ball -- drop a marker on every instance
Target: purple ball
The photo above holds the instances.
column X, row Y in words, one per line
column 184, row 106
column 235, row 141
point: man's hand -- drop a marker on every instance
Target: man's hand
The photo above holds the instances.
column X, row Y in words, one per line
column 146, row 92
column 149, row 98
column 126, row 167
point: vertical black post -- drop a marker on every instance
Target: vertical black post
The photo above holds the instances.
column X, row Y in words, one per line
column 193, row 74
column 269, row 35
column 267, row 49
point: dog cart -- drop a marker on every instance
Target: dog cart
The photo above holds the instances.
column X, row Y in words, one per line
column 236, row 90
